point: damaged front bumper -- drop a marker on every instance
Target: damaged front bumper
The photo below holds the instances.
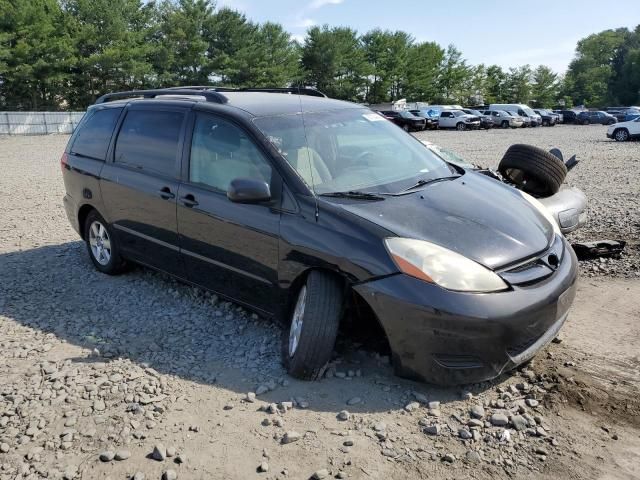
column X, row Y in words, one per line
column 447, row 337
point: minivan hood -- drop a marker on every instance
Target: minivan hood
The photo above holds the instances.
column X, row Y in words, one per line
column 473, row 215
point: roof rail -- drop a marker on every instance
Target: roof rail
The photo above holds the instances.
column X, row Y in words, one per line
column 312, row 92
column 209, row 95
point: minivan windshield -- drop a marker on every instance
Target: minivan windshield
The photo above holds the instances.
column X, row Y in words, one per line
column 352, row 149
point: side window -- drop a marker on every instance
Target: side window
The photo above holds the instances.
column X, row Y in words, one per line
column 149, row 139
column 221, row 152
column 95, row 134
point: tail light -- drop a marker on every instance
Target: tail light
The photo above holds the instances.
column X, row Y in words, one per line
column 63, row 161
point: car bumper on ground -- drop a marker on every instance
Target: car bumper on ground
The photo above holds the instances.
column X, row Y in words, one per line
column 450, row 338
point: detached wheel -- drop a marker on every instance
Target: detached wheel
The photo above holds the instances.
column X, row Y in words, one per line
column 621, row 135
column 308, row 341
column 102, row 245
column 461, row 126
column 533, row 169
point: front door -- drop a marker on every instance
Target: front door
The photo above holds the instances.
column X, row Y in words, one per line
column 228, row 247
column 140, row 185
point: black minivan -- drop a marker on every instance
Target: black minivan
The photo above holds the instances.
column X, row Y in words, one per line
column 303, row 208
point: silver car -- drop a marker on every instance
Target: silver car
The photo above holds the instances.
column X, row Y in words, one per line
column 505, row 119
column 458, row 119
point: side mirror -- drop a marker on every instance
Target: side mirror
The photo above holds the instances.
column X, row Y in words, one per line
column 248, row 190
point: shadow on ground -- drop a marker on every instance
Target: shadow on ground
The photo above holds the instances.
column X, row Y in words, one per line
column 179, row 330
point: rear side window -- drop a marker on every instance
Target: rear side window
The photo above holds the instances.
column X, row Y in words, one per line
column 95, row 134
column 149, row 139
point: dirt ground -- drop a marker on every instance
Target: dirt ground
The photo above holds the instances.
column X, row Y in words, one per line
column 94, row 366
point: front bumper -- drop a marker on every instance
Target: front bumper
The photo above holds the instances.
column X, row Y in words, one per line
column 449, row 338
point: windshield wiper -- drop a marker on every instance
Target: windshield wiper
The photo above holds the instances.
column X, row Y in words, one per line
column 422, row 182
column 353, row 194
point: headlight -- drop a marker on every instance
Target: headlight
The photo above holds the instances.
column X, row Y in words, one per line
column 543, row 211
column 435, row 264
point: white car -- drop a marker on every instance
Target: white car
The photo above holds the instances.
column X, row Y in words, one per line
column 458, row 119
column 624, row 131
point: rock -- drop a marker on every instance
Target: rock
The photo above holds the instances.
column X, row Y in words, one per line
column 499, row 419
column 138, row 476
column 169, row 475
column 121, row 455
column 99, row 406
column 467, row 395
column 320, row 474
column 433, row 405
column 290, row 437
column 278, row 422
column 541, row 451
column 532, row 402
column 159, row 452
column 354, row 401
column 477, row 411
column 107, row 456
column 250, row 397
column 341, row 475
column 432, row 430
column 475, row 423
column 519, row 422
column 464, row 434
column 265, row 422
column 348, row 442
column 410, row 407
column 343, row 415
column 4, row 447
column 472, row 456
column 171, row 452
column 263, row 467
column 380, row 427
column 228, row 406
column 449, row 458
column 180, row 459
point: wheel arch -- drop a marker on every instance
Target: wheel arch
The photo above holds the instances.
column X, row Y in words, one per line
column 83, row 213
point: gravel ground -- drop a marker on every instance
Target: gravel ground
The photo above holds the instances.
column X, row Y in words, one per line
column 608, row 173
column 138, row 376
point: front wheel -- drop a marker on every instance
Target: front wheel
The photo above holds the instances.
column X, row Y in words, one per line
column 102, row 245
column 621, row 135
column 461, row 126
column 586, row 122
column 505, row 124
column 308, row 341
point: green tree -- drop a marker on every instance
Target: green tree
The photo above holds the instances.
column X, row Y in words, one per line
column 424, row 62
column 544, row 87
column 376, row 44
column 35, row 54
column 518, row 84
column 495, row 90
column 453, row 76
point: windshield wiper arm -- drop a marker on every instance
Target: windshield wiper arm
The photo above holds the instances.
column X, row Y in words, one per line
column 354, row 194
column 422, row 182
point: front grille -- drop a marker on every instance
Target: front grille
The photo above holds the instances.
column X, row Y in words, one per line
column 535, row 269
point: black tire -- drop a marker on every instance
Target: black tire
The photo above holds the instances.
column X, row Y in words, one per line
column 505, row 124
column 115, row 264
column 586, row 122
column 533, row 169
column 461, row 126
column 621, row 135
column 320, row 320
column 405, row 127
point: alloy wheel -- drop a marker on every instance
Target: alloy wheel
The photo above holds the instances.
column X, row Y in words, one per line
column 622, row 135
column 100, row 243
column 295, row 330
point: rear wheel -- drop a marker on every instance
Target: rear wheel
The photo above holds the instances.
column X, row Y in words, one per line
column 621, row 135
column 505, row 124
column 308, row 341
column 405, row 127
column 586, row 122
column 102, row 245
column 461, row 126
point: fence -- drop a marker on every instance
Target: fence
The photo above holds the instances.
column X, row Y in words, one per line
column 38, row 123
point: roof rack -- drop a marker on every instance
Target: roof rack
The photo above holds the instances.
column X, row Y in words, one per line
column 210, row 95
column 312, row 92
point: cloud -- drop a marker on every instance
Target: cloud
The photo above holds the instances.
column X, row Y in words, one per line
column 304, row 23
column 315, row 4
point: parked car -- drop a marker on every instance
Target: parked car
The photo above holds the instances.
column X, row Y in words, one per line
column 405, row 120
column 599, row 117
column 624, row 131
column 458, row 119
column 504, row 119
column 431, row 121
column 549, row 119
column 568, row 116
column 303, row 208
column 486, row 121
column 532, row 119
column 622, row 113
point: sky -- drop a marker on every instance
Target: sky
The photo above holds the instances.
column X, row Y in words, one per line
column 507, row 33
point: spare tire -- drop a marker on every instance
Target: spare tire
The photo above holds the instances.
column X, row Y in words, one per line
column 533, row 169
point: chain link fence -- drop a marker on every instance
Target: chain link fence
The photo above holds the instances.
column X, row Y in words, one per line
column 38, row 123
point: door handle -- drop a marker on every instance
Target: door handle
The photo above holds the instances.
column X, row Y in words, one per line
column 189, row 200
column 165, row 192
